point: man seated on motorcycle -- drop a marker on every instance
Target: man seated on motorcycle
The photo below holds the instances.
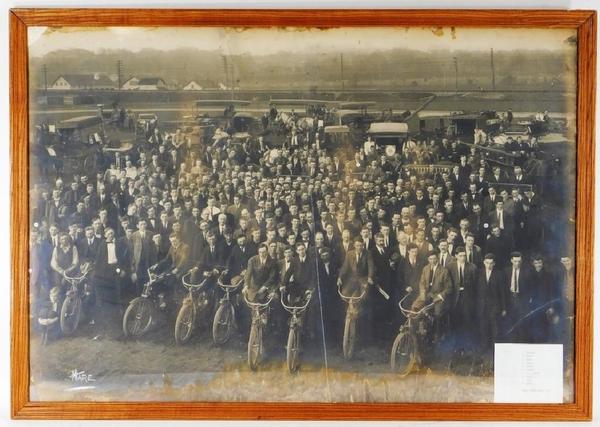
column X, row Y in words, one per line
column 177, row 263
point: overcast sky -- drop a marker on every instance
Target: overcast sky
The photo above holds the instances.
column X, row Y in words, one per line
column 267, row 41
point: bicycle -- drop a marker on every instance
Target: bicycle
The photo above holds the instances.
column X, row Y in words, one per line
column 196, row 305
column 70, row 312
column 293, row 342
column 352, row 312
column 224, row 320
column 260, row 318
column 405, row 350
column 142, row 311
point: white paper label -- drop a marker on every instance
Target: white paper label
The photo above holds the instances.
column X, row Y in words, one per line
column 528, row 373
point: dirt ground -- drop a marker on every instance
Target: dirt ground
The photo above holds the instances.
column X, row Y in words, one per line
column 155, row 368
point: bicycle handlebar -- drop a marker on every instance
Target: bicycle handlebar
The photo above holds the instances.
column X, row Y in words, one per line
column 291, row 309
column 189, row 285
column 259, row 304
column 230, row 286
column 348, row 298
column 412, row 313
column 72, row 279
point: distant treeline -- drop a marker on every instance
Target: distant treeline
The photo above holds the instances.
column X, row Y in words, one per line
column 399, row 68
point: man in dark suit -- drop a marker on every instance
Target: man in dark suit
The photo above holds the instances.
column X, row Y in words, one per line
column 238, row 261
column 502, row 218
column 381, row 305
column 543, row 327
column 225, row 247
column 477, row 221
column 333, row 309
column 462, row 316
column 111, row 266
column 444, row 256
column 158, row 250
column 408, row 274
column 365, row 234
column 88, row 245
column 499, row 245
column 261, row 275
column 302, row 276
column 345, row 245
column 472, row 251
column 489, row 202
column 357, row 270
column 435, row 286
column 210, row 257
column 519, row 293
column 490, row 302
column 141, row 253
column 178, row 262
column 301, row 279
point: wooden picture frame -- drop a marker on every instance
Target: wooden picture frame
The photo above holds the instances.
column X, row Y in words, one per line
column 23, row 408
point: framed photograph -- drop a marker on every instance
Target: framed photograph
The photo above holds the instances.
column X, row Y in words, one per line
column 302, row 214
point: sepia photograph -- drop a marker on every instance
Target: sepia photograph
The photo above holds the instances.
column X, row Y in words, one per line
column 302, row 214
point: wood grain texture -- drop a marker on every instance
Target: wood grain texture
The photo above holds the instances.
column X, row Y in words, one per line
column 23, row 408
column 19, row 213
column 307, row 17
column 584, row 230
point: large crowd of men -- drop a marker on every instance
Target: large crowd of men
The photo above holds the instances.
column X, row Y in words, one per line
column 308, row 216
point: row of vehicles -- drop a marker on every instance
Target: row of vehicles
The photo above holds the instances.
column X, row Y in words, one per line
column 340, row 124
column 200, row 307
column 213, row 112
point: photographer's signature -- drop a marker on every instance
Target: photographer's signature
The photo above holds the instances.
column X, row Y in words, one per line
column 81, row 377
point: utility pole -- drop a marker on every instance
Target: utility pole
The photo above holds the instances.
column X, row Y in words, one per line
column 493, row 69
column 455, row 74
column 232, row 78
column 228, row 80
column 45, row 71
column 342, row 69
column 119, row 74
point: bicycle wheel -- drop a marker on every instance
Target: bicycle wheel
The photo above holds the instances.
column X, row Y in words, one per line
column 223, row 323
column 293, row 350
column 255, row 346
column 404, row 353
column 70, row 313
column 349, row 336
column 138, row 317
column 185, row 322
